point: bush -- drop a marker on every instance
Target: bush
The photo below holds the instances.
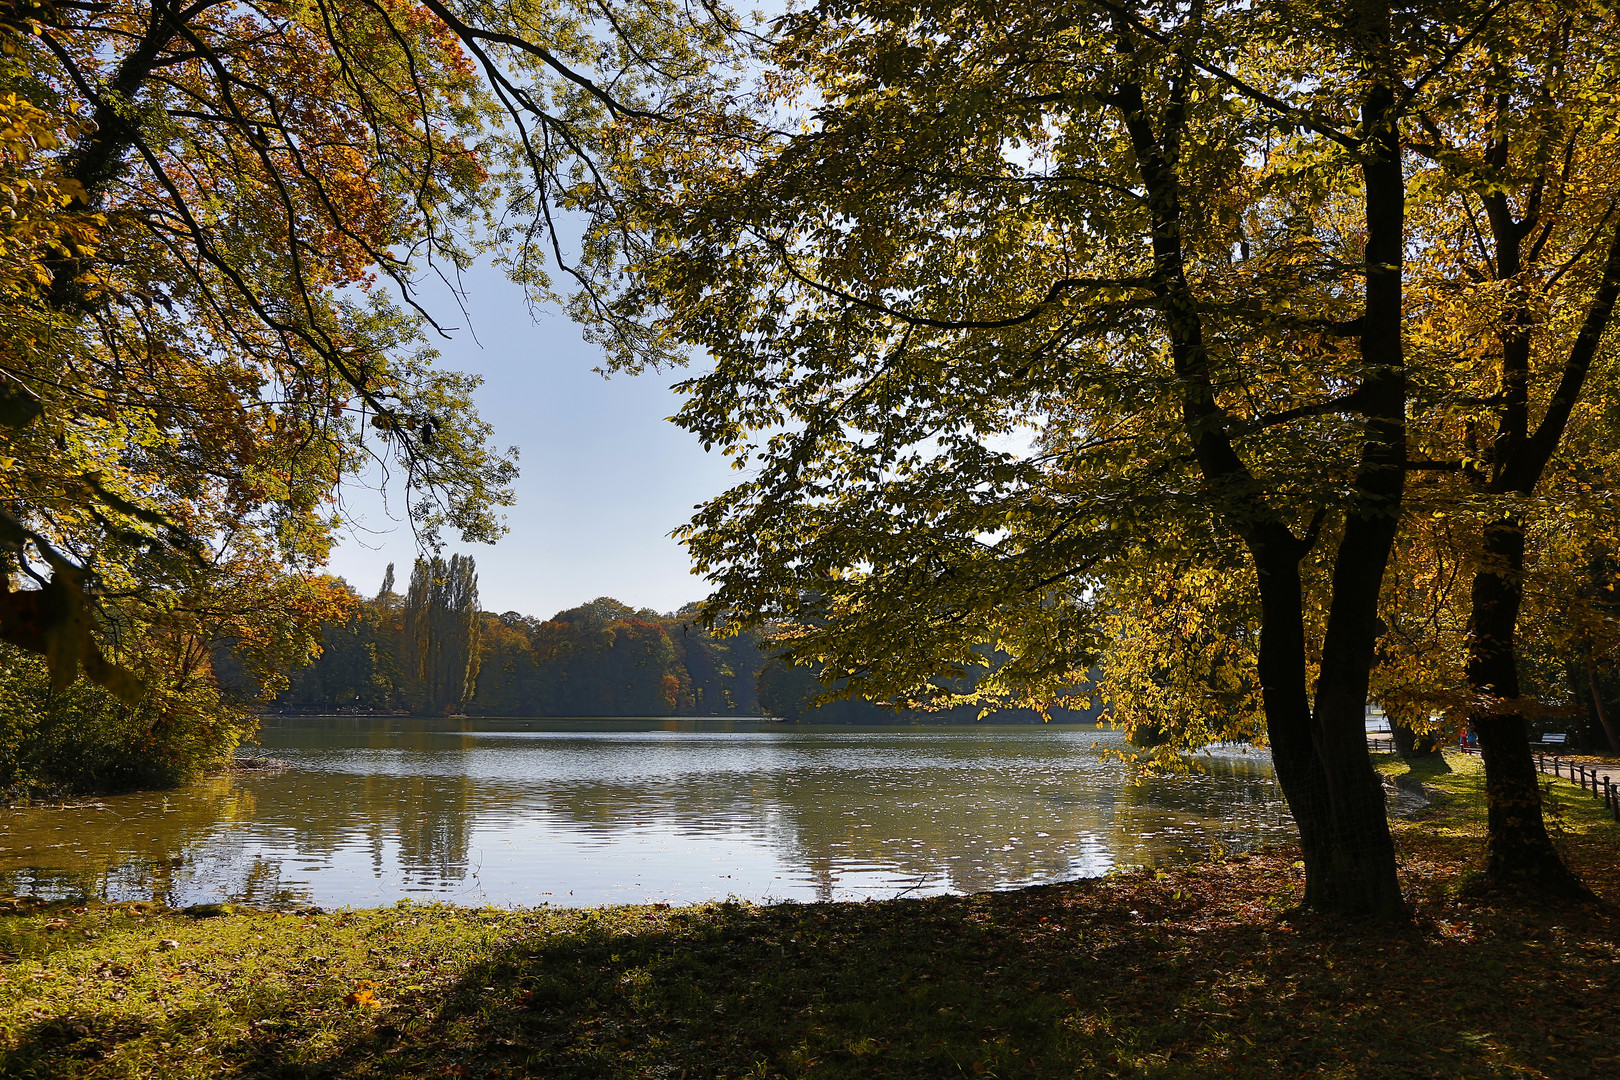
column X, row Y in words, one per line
column 82, row 739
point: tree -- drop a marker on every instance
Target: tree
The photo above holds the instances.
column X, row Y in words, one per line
column 203, row 198
column 440, row 645
column 508, row 676
column 1528, row 277
column 605, row 658
column 359, row 665
column 599, row 659
column 386, row 590
column 188, row 717
column 1016, row 315
column 193, row 351
column 1568, row 653
column 724, row 672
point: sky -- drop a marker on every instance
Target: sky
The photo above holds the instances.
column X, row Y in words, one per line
column 604, row 476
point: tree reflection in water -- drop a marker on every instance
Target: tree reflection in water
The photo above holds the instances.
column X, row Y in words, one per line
column 593, row 811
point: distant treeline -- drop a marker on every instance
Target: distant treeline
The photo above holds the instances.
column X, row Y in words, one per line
column 432, row 651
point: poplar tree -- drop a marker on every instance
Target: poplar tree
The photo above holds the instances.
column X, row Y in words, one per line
column 440, row 641
column 386, row 590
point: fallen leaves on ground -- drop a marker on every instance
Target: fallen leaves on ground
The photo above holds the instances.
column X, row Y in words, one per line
column 1192, row 971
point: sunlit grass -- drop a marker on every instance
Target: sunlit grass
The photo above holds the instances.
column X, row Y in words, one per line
column 1460, row 781
column 1176, row 972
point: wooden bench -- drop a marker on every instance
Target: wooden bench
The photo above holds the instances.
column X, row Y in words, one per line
column 1554, row 741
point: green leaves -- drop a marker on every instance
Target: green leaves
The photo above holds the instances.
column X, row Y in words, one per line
column 936, row 342
column 948, row 344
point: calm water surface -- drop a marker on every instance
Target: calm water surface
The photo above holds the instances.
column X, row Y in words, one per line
column 592, row 812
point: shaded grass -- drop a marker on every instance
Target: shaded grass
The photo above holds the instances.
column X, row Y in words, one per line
column 1180, row 972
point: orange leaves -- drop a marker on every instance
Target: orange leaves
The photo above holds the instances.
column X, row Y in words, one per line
column 363, row 996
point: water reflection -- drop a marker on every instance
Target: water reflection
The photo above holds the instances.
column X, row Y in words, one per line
column 599, row 812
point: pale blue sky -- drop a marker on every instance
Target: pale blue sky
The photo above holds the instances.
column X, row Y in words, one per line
column 605, row 477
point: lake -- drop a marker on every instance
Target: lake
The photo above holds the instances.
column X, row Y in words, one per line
column 586, row 812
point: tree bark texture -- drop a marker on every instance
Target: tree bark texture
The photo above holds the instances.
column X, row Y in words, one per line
column 1518, row 851
column 1288, row 718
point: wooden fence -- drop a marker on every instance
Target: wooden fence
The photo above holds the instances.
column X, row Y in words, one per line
column 1601, row 786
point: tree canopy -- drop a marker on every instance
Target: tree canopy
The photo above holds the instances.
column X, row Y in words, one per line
column 1114, row 329
column 220, row 218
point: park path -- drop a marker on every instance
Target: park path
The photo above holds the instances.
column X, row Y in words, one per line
column 1602, row 782
column 1606, row 772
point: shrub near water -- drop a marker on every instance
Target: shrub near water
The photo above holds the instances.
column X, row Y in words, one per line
column 83, row 739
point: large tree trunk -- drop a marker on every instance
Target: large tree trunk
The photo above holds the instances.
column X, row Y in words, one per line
column 1410, row 742
column 1288, row 720
column 1518, row 854
column 1359, row 876
column 1362, row 877
column 1320, row 756
column 1320, row 751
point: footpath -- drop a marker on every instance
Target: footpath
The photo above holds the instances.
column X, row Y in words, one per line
column 1602, row 780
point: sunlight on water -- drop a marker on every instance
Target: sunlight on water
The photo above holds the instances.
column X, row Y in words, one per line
column 591, row 812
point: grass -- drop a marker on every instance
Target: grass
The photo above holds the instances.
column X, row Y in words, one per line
column 1458, row 781
column 1180, row 972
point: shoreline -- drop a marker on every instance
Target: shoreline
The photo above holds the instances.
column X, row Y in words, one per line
column 1183, row 971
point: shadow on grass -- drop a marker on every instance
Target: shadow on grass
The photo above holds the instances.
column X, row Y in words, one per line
column 68, row 1045
column 1180, row 973
column 1128, row 977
